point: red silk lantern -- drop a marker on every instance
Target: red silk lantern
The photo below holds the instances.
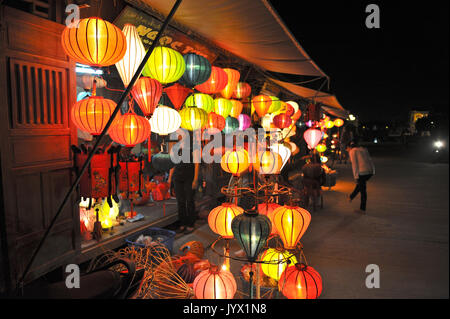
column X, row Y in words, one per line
column 291, row 222
column 312, row 137
column 300, row 282
column 233, row 79
column 261, row 104
column 130, row 129
column 216, row 82
column 215, row 123
column 98, row 181
column 282, row 121
column 214, row 283
column 177, row 94
column 242, row 90
column 236, row 108
column 131, row 177
column 92, row 114
column 147, row 93
column 268, row 209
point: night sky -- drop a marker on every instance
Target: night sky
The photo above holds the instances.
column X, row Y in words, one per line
column 379, row 74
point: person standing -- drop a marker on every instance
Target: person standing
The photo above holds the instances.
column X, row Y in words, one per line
column 363, row 169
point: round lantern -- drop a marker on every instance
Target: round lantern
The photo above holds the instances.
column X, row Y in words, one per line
column 215, row 83
column 291, row 223
column 193, row 118
column 92, row 114
column 300, row 282
column 323, row 159
column 261, row 104
column 165, row 65
column 231, row 125
column 147, row 93
column 275, row 261
column 235, row 162
column 244, row 122
column 215, row 123
column 222, row 107
column 201, row 100
column 198, row 70
column 165, row 120
column 233, row 79
column 282, row 120
column 267, row 210
column 283, row 151
column 329, row 124
column 95, row 42
column 177, row 94
column 275, row 105
column 219, row 219
column 242, row 90
column 338, row 122
column 321, row 148
column 130, row 129
column 268, row 163
column 133, row 56
column 214, row 283
column 251, row 231
column 312, row 137
column 266, row 122
column 236, row 108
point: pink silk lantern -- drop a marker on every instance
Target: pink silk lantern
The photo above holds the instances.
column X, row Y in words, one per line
column 312, row 137
column 244, row 122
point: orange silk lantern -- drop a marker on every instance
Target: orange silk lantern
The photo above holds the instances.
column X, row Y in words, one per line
column 268, row 209
column 147, row 93
column 214, row 283
column 300, row 282
column 236, row 108
column 312, row 137
column 242, row 90
column 261, row 104
column 215, row 123
column 92, row 114
column 177, row 94
column 217, row 81
column 282, row 121
column 130, row 129
column 235, row 162
column 338, row 122
column 219, row 219
column 95, row 42
column 291, row 223
column 268, row 163
column 233, row 79
column 222, row 107
column 329, row 124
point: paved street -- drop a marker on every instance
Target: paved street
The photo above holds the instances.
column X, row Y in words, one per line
column 404, row 232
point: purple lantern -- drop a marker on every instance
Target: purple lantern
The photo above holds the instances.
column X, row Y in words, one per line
column 244, row 122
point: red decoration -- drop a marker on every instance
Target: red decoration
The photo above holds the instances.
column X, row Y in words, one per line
column 92, row 114
column 177, row 94
column 215, row 123
column 161, row 192
column 282, row 121
column 242, row 90
column 300, row 282
column 147, row 93
column 217, row 81
column 131, row 177
column 130, row 129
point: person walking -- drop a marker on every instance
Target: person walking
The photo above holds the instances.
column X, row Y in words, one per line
column 363, row 169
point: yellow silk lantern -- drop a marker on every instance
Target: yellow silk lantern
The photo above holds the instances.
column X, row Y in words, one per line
column 275, row 105
column 338, row 122
column 220, row 218
column 107, row 215
column 329, row 124
column 268, row 163
column 291, row 222
column 222, row 107
column 275, row 262
column 236, row 108
column 203, row 101
column 321, row 148
column 165, row 65
column 235, row 162
column 193, row 118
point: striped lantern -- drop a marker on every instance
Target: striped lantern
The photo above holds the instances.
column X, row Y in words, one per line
column 134, row 55
column 177, row 94
column 275, row 261
column 233, row 79
column 95, row 42
column 282, row 120
column 244, row 122
column 219, row 219
column 235, row 162
column 165, row 120
column 204, row 101
column 222, row 107
column 215, row 123
column 215, row 83
column 261, row 104
column 193, row 118
column 214, row 283
column 291, row 222
column 130, row 129
column 236, row 108
column 275, row 105
column 231, row 125
column 198, row 70
column 165, row 65
column 267, row 209
column 268, row 163
column 92, row 114
column 300, row 281
column 147, row 93
column 242, row 90
column 312, row 137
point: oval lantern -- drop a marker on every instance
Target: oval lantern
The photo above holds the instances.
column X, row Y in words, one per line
column 94, row 41
column 215, row 123
column 214, row 283
column 220, row 218
column 134, row 54
column 268, row 163
column 222, row 107
column 165, row 65
column 201, row 100
column 283, row 151
column 92, row 114
column 275, row 105
column 244, row 122
column 282, row 120
column 215, row 83
column 275, row 261
column 198, row 70
column 267, row 210
column 242, row 90
column 329, row 124
column 193, row 118
column 300, row 281
column 130, row 129
column 231, row 125
column 312, row 137
column 233, row 79
column 338, row 122
column 251, row 231
column 236, row 108
column 147, row 93
column 177, row 94
column 291, row 222
column 321, row 148
column 235, row 162
column 261, row 104
column 165, row 120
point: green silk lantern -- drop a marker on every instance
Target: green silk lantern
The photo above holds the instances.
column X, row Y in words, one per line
column 203, row 101
column 193, row 118
column 222, row 107
column 198, row 70
column 231, row 125
column 165, row 65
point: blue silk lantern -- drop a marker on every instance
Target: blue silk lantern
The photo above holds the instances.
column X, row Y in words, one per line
column 198, row 70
